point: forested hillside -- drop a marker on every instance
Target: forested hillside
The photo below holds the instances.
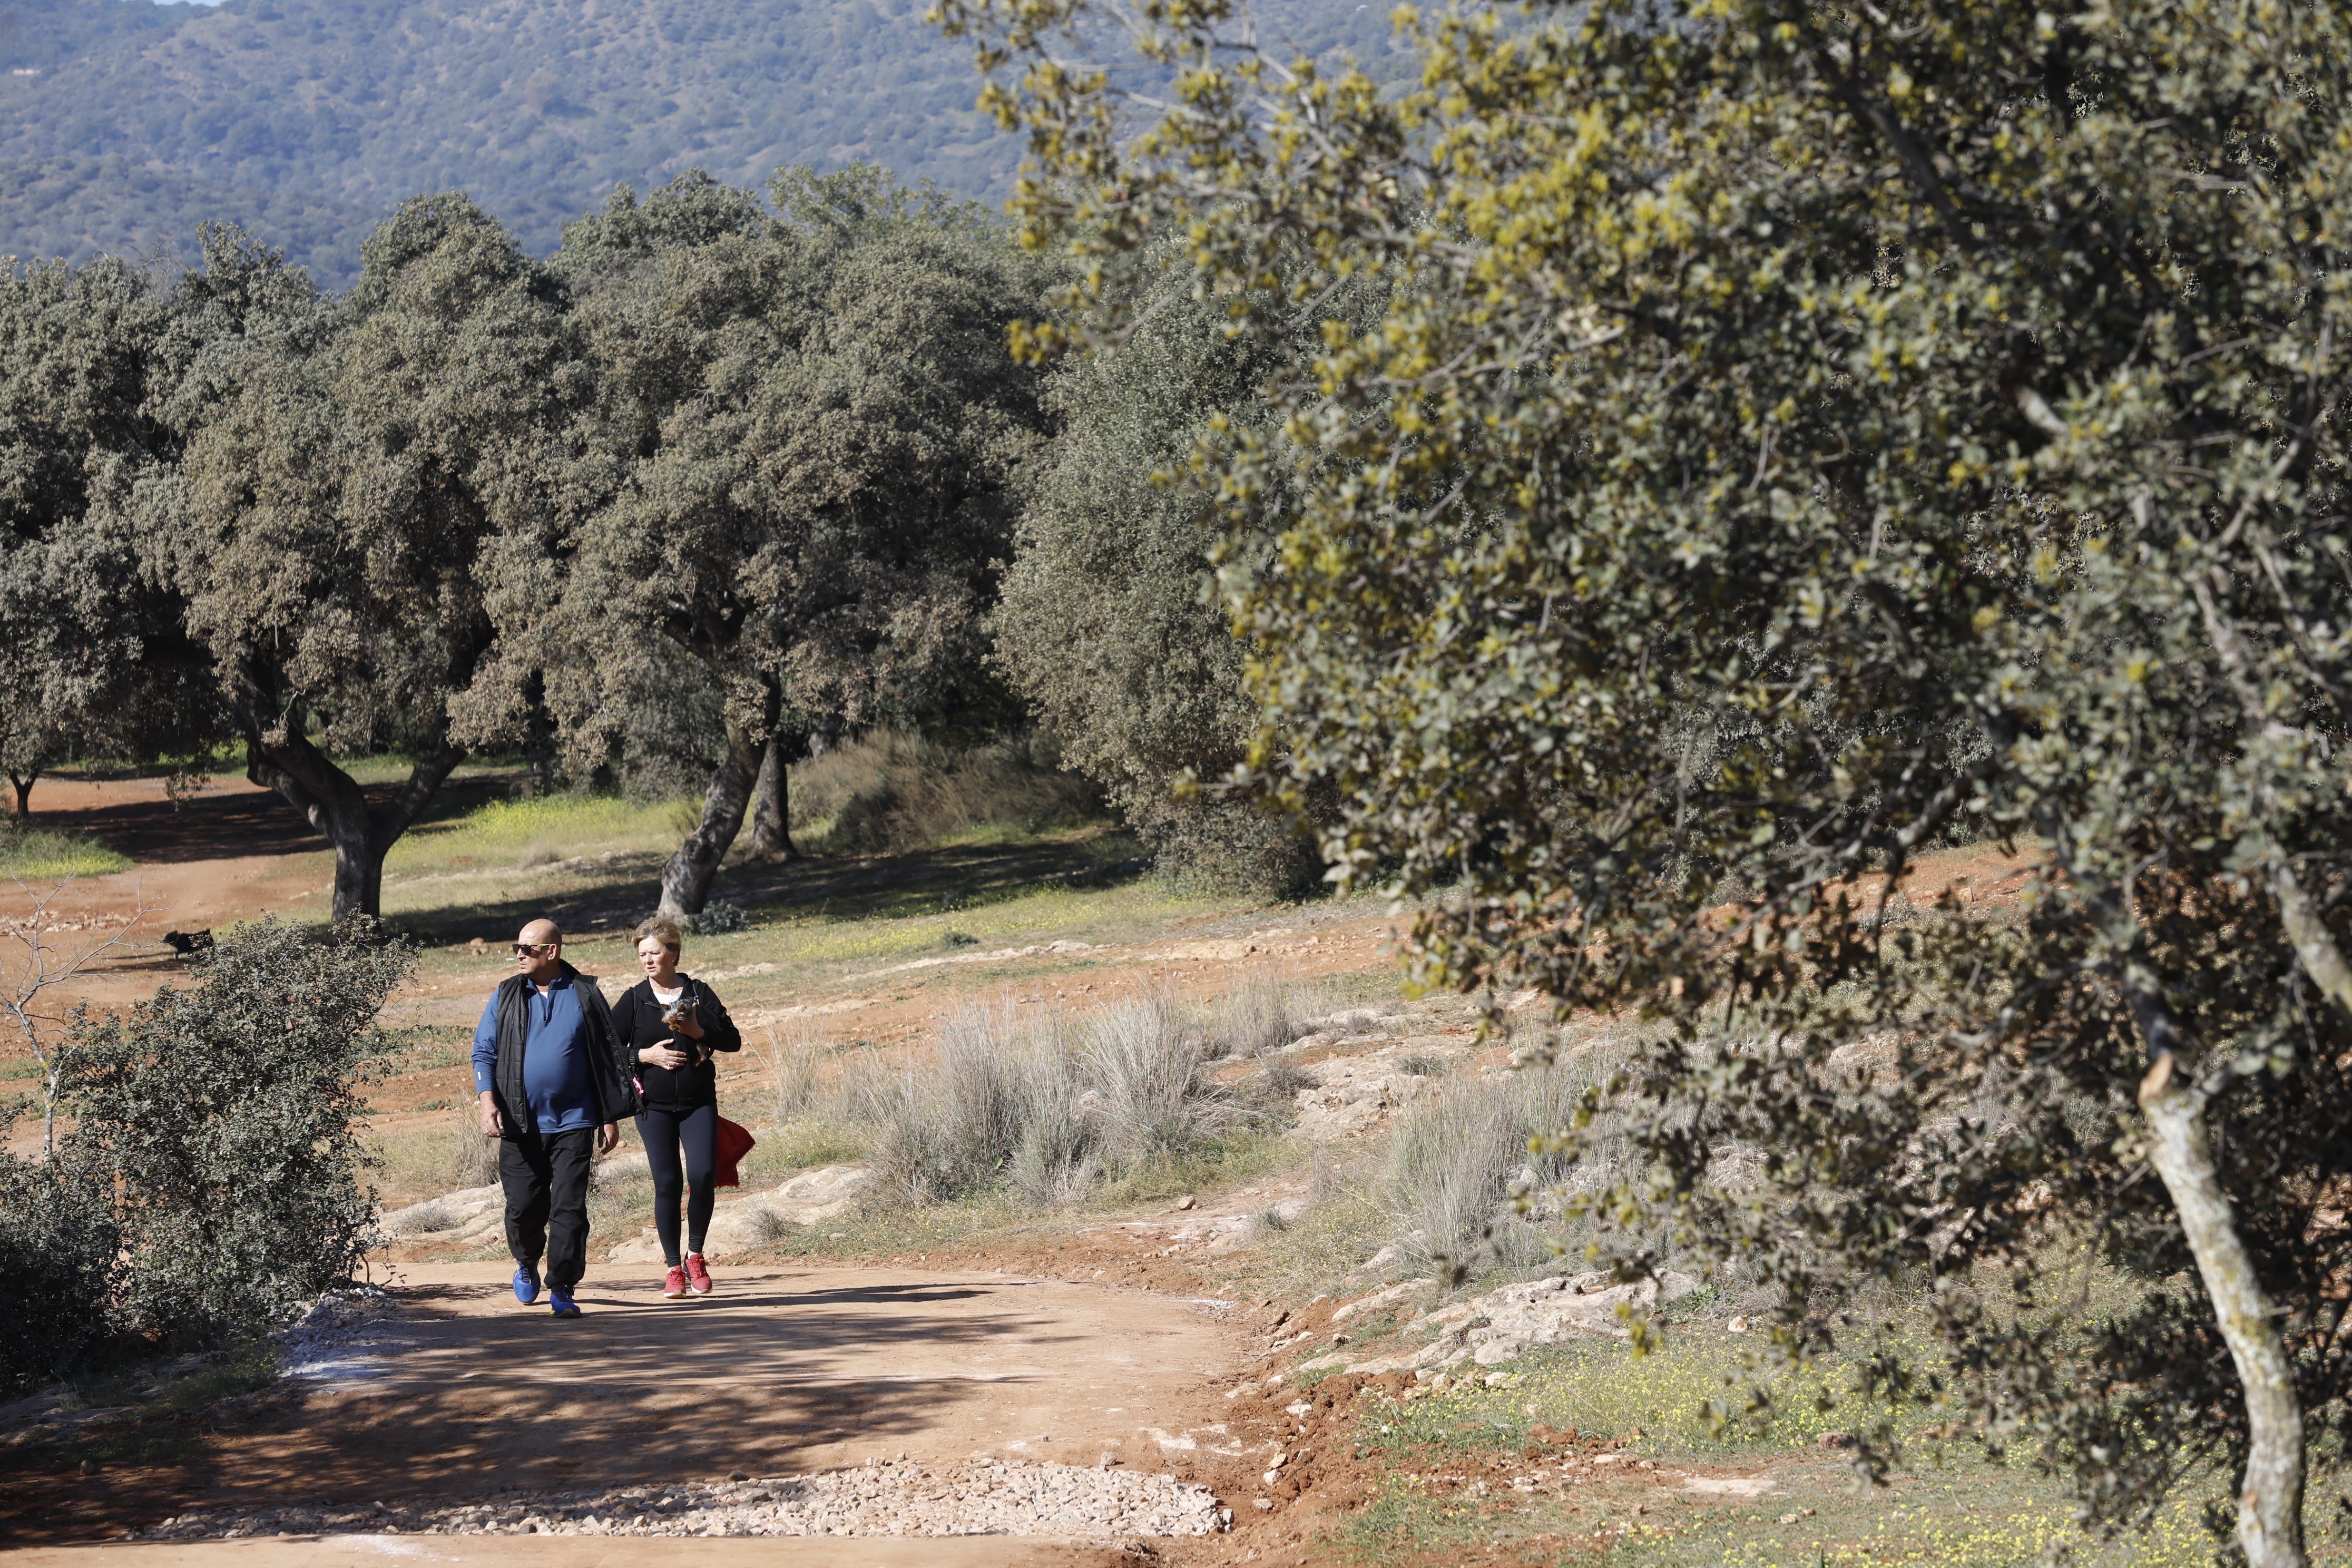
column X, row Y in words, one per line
column 126, row 123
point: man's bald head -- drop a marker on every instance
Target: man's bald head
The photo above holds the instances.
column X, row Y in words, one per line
column 539, row 950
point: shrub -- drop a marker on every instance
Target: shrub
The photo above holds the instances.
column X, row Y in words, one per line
column 952, row 1123
column 1057, row 1154
column 714, row 919
column 57, row 1243
column 795, row 1067
column 1265, row 1011
column 1151, row 1071
column 811, row 1105
column 473, row 1159
column 227, row 1119
column 1280, row 1080
column 1108, row 624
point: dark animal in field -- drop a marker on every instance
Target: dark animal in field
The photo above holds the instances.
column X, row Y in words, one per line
column 186, row 943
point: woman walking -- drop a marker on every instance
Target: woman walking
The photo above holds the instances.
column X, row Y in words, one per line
column 668, row 1025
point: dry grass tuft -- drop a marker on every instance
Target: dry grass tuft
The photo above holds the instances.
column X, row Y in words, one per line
column 1457, row 1161
column 1051, row 1108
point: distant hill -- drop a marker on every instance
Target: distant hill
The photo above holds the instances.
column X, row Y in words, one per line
column 123, row 123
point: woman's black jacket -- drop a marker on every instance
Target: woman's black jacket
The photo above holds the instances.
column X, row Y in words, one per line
column 637, row 1023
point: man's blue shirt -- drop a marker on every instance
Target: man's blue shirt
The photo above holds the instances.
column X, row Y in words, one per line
column 555, row 1075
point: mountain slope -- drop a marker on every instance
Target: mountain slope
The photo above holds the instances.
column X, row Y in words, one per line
column 124, row 123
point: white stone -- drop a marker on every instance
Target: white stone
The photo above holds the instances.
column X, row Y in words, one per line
column 1355, row 1095
column 1506, row 1323
column 741, row 1224
column 1380, row 1299
column 459, row 1211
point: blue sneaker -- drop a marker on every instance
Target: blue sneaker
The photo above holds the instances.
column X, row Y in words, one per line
column 526, row 1283
column 565, row 1307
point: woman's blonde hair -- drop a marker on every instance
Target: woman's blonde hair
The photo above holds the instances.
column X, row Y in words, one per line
column 664, row 930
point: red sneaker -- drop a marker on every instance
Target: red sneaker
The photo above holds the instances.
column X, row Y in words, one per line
column 675, row 1285
column 697, row 1276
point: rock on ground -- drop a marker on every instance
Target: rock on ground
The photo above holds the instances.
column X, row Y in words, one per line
column 473, row 1213
column 1506, row 1323
column 453, row 1216
column 970, row 1498
column 1355, row 1095
column 742, row 1224
column 1217, row 1234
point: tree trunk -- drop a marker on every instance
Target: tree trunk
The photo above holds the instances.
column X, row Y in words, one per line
column 2270, row 1500
column 283, row 760
column 685, row 880
column 772, row 822
column 25, row 794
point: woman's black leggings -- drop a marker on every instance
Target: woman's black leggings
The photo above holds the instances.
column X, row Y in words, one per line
column 665, row 1131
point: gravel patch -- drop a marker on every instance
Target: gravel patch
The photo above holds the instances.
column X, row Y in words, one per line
column 967, row 1498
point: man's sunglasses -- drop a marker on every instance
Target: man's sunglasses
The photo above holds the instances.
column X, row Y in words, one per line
column 525, row 949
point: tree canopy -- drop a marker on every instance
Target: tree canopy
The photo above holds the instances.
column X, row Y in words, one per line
column 818, row 426
column 353, row 467
column 94, row 661
column 1108, row 624
column 1797, row 434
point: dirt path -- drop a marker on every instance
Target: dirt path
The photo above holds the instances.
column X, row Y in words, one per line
column 572, row 1552
column 234, row 852
column 460, row 1393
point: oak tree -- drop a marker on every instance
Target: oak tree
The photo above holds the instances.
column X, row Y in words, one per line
column 1799, row 433
column 820, row 428
column 354, row 466
column 93, row 660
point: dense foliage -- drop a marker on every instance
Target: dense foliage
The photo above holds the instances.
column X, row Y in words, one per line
column 720, row 483
column 306, row 121
column 57, row 1243
column 214, row 1180
column 91, row 646
column 354, row 469
column 1795, row 431
column 821, row 429
column 1109, row 623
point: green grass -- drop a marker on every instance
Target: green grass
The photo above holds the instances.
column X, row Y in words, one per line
column 1953, row 1507
column 1975, row 1516
column 1969, row 1515
column 32, row 854
column 1018, row 917
column 803, row 1144
column 519, row 832
column 1602, row 1389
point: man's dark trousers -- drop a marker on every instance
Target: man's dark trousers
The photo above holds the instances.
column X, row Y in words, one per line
column 546, row 1179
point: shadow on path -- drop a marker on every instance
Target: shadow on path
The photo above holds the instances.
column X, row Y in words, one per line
column 467, row 1393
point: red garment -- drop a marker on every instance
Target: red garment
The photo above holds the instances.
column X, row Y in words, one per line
column 732, row 1143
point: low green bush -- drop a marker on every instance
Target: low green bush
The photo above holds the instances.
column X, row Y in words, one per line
column 57, row 1242
column 225, row 1121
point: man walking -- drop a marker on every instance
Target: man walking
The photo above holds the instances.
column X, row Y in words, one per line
column 549, row 1087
